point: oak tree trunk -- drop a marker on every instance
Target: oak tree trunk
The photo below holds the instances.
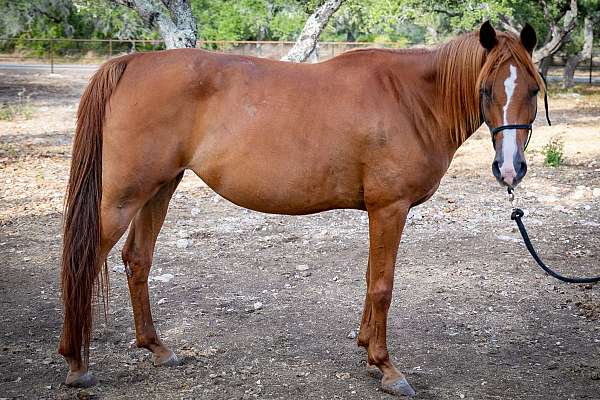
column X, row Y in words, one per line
column 307, row 41
column 173, row 19
column 586, row 52
column 558, row 34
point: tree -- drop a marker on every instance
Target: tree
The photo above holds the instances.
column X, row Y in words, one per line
column 173, row 19
column 558, row 33
column 581, row 44
column 307, row 41
column 586, row 52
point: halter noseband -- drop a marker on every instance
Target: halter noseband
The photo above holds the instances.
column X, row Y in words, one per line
column 529, row 126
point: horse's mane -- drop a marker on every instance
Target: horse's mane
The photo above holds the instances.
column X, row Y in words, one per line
column 463, row 66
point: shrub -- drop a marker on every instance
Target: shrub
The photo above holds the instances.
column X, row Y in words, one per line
column 554, row 152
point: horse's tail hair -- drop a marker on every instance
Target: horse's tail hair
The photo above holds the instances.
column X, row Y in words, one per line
column 81, row 263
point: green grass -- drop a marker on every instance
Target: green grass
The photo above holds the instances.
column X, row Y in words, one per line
column 554, row 153
column 591, row 93
column 22, row 108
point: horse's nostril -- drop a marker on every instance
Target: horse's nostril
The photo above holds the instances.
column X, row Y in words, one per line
column 521, row 170
column 496, row 169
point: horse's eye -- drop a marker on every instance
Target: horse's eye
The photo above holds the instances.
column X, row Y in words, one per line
column 534, row 92
column 485, row 92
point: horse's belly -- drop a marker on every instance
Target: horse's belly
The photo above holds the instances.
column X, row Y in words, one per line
column 274, row 186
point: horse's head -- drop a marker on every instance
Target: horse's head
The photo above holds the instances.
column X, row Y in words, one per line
column 508, row 86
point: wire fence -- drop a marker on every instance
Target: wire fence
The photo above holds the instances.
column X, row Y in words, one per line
column 95, row 51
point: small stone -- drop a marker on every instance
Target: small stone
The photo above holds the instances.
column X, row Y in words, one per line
column 596, row 192
column 162, row 301
column 84, row 395
column 164, row 278
column 351, row 334
column 342, row 375
column 258, row 305
column 119, row 269
column 302, row 267
column 182, row 243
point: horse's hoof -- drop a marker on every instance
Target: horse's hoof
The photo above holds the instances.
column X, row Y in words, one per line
column 81, row 381
column 401, row 387
column 170, row 361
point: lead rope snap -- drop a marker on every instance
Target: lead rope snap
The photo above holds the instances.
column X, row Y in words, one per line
column 511, row 197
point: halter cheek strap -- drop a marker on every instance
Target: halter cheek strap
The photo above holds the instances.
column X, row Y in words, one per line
column 529, row 126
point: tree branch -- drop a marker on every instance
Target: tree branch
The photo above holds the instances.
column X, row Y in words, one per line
column 509, row 24
column 173, row 19
column 306, row 42
column 558, row 33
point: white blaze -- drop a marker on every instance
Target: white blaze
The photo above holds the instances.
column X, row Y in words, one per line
column 509, row 136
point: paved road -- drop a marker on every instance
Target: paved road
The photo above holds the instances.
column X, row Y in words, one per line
column 41, row 68
column 89, row 68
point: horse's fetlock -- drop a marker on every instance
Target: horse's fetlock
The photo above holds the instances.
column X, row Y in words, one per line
column 378, row 356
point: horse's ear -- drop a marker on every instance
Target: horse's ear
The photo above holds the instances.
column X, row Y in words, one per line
column 528, row 38
column 487, row 36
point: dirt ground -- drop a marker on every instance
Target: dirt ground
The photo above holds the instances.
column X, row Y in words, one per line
column 262, row 306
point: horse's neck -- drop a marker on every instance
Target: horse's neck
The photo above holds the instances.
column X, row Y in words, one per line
column 432, row 123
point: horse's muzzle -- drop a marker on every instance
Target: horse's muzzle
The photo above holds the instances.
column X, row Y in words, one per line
column 510, row 176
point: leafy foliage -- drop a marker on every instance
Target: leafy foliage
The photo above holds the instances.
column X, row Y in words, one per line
column 554, row 152
column 400, row 21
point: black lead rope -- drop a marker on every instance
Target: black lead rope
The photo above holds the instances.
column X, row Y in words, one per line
column 517, row 213
column 516, row 216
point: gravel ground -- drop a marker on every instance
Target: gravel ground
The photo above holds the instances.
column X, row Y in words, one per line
column 264, row 306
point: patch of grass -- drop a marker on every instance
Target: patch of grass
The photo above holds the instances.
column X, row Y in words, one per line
column 553, row 152
column 22, row 108
column 590, row 93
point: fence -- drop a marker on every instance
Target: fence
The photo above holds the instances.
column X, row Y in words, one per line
column 94, row 51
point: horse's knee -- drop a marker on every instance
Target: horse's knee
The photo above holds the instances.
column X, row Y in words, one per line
column 380, row 295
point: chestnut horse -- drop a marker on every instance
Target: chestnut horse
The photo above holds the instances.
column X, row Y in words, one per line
column 373, row 130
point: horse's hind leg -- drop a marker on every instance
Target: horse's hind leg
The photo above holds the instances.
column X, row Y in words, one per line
column 137, row 257
column 114, row 220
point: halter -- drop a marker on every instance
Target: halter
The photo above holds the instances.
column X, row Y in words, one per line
column 528, row 126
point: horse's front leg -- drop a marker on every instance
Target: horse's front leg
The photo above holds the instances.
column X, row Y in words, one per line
column 385, row 228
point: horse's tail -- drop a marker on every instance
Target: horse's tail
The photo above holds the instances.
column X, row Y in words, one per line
column 81, row 263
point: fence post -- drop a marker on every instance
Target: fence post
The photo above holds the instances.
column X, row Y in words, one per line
column 109, row 48
column 591, row 64
column 51, row 56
